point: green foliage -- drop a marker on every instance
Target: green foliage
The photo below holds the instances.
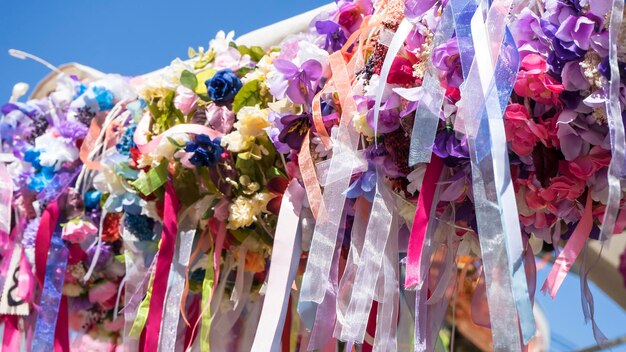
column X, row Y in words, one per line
column 248, row 95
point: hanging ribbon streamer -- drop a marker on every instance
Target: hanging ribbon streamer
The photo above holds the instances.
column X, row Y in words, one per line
column 370, row 262
column 429, row 108
column 162, row 270
column 46, row 325
column 11, row 334
column 616, row 126
column 570, row 252
column 422, row 221
column 141, row 133
column 309, row 177
column 489, row 174
column 284, row 263
column 186, row 233
column 6, row 201
column 316, row 277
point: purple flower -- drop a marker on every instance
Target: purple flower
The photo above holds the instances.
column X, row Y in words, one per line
column 295, row 128
column 414, row 9
column 364, row 185
column 335, row 38
column 576, row 29
column 73, row 130
column 300, row 89
column 219, row 118
column 446, row 58
column 106, row 252
column 529, row 33
column 447, row 145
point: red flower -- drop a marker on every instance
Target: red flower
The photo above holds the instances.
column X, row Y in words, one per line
column 401, row 72
column 534, row 82
column 277, row 186
column 585, row 166
column 111, row 227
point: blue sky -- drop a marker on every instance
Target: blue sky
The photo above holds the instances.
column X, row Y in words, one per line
column 133, row 37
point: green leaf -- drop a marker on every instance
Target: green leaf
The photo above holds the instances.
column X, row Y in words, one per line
column 247, row 96
column 249, row 167
column 257, row 53
column 243, row 71
column 273, row 172
column 186, row 186
column 153, row 179
column 189, row 80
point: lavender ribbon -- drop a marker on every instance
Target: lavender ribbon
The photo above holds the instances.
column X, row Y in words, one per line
column 429, row 108
column 616, row 126
column 496, row 209
column 51, row 295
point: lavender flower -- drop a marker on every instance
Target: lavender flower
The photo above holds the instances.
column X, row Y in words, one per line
column 335, row 38
column 299, row 89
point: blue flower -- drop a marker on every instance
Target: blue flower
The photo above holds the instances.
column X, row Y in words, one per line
column 104, row 97
column 92, row 199
column 32, row 156
column 223, row 86
column 206, row 152
column 365, row 185
column 126, row 142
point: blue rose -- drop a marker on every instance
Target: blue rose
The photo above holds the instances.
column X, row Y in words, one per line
column 223, row 86
column 206, row 152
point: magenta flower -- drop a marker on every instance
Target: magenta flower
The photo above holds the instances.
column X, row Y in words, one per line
column 300, row 90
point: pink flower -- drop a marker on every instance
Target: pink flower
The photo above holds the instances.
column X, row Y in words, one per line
column 102, row 292
column 87, row 342
column 533, row 81
column 584, row 166
column 220, row 118
column 563, row 187
column 351, row 14
column 186, row 100
column 521, row 131
column 78, row 230
column 401, row 71
column 114, row 325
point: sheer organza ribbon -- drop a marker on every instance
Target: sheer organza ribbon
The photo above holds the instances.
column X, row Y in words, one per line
column 316, row 276
column 284, row 263
column 187, row 223
column 162, row 269
column 480, row 117
column 617, row 169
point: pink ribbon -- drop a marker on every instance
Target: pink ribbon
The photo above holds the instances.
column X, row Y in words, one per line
column 6, row 199
column 11, row 338
column 141, row 139
column 570, row 252
column 162, row 270
column 285, row 259
column 421, row 221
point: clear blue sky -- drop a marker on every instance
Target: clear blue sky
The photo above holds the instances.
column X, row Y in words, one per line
column 133, row 37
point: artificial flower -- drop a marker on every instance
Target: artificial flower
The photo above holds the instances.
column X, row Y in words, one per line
column 78, row 230
column 223, row 86
column 251, row 121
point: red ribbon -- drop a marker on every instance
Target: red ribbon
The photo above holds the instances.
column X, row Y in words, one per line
column 48, row 223
column 421, row 221
column 162, row 270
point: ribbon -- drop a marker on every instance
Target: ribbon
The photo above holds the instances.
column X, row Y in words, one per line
column 186, row 232
column 316, row 276
column 309, row 177
column 45, row 338
column 570, row 252
column 284, row 263
column 490, row 171
column 6, row 201
column 396, row 44
column 421, row 222
column 207, row 292
column 616, row 125
column 429, row 108
column 162, row 270
column 11, row 334
column 141, row 133
column 376, row 237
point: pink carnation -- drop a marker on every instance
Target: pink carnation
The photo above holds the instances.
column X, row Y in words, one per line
column 78, row 230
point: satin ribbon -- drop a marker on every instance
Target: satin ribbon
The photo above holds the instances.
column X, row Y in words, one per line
column 48, row 335
column 616, row 125
column 284, row 263
column 186, row 233
column 316, row 276
column 11, row 334
column 6, row 201
column 141, row 139
column 421, row 222
column 162, row 270
column 570, row 252
column 370, row 263
column 429, row 108
column 490, row 172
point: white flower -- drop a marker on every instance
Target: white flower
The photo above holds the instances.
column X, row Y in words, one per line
column 310, row 51
column 372, row 88
column 55, row 150
column 165, row 149
column 241, row 213
column 361, row 125
column 236, row 142
column 222, row 41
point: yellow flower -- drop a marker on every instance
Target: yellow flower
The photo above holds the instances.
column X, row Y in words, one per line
column 251, row 121
column 361, row 125
column 241, row 213
column 236, row 142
